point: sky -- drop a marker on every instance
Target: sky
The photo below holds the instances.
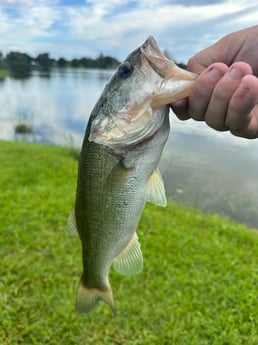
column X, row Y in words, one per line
column 77, row 28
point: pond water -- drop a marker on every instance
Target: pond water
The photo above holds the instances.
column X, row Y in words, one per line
column 213, row 171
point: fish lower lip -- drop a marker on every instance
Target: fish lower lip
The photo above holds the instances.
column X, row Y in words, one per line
column 98, row 139
column 92, row 137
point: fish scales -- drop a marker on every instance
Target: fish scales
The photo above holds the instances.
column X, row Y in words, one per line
column 117, row 173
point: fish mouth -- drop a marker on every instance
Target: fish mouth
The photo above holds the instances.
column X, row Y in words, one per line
column 177, row 82
column 158, row 61
column 161, row 64
column 165, row 83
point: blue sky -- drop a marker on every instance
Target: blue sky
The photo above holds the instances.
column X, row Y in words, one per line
column 76, row 28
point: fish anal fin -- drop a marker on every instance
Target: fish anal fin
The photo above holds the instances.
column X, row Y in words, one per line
column 71, row 224
column 155, row 190
column 130, row 260
column 87, row 298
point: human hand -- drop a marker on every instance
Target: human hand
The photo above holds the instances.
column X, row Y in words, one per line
column 225, row 97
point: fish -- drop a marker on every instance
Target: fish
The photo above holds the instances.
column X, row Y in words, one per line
column 118, row 167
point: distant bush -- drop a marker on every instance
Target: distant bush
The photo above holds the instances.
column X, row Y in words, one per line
column 19, row 64
column 22, row 128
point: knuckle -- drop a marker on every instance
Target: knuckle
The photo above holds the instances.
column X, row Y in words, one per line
column 214, row 123
column 221, row 95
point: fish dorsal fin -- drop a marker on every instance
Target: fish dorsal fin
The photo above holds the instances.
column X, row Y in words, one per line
column 71, row 224
column 130, row 260
column 155, row 190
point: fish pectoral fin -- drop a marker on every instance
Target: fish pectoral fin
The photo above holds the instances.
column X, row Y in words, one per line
column 155, row 190
column 71, row 224
column 130, row 260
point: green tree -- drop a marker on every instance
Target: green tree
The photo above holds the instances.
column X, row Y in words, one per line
column 75, row 63
column 3, row 63
column 19, row 63
column 62, row 62
column 44, row 61
column 106, row 62
column 87, row 62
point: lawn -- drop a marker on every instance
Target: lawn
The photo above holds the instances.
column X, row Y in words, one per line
column 199, row 285
column 4, row 73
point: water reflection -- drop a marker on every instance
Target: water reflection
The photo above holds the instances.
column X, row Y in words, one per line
column 58, row 104
column 213, row 172
column 202, row 168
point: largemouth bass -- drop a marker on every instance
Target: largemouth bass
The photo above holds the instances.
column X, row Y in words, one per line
column 118, row 173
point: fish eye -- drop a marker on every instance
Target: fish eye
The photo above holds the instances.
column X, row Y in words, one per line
column 125, row 69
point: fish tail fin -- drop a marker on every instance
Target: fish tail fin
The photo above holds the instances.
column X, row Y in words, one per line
column 87, row 298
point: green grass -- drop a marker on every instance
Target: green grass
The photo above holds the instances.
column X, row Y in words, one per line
column 199, row 284
column 4, row 73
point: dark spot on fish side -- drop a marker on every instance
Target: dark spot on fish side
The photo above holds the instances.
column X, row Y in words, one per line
column 125, row 69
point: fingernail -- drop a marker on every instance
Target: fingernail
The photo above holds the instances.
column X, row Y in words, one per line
column 235, row 73
column 214, row 73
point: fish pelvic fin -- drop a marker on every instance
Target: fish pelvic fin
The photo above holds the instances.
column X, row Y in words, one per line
column 155, row 190
column 130, row 260
column 87, row 298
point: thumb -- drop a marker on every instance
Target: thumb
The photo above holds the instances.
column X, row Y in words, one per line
column 199, row 62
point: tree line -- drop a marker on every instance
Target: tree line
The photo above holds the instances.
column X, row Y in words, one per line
column 21, row 65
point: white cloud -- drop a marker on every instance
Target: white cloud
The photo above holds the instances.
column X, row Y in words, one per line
column 187, row 28
column 25, row 3
column 38, row 20
column 22, row 28
column 117, row 27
